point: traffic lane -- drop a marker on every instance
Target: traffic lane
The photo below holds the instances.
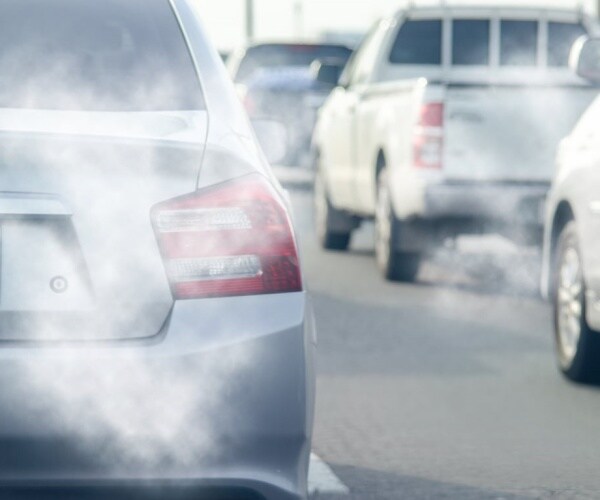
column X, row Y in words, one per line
column 443, row 387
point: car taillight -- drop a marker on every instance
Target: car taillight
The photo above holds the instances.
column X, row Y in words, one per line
column 231, row 239
column 428, row 140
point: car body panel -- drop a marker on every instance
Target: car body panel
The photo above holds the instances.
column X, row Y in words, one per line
column 104, row 251
column 239, row 422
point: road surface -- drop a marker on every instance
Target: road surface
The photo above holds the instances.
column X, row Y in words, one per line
column 446, row 388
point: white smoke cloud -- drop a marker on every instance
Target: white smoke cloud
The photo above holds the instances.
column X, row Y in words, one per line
column 129, row 411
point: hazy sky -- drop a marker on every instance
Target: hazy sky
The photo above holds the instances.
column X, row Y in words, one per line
column 278, row 19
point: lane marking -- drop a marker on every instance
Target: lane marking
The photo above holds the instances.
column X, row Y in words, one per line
column 321, row 479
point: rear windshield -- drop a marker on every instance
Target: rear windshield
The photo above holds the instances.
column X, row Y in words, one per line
column 277, row 55
column 109, row 55
column 561, row 37
column 471, row 42
column 418, row 42
column 518, row 43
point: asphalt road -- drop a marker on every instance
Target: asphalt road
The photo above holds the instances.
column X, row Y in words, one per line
column 446, row 388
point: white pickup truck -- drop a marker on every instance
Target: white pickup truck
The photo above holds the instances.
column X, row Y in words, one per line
column 446, row 122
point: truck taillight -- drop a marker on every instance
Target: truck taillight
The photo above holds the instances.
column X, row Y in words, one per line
column 432, row 115
column 428, row 140
column 231, row 239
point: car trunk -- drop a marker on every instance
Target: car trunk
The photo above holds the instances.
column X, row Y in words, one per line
column 508, row 133
column 79, row 258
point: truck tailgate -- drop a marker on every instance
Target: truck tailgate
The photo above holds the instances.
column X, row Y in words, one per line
column 508, row 132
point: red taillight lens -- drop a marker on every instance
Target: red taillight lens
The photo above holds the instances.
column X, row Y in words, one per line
column 432, row 115
column 428, row 141
column 232, row 239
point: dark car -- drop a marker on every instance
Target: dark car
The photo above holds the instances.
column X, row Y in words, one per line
column 244, row 63
column 277, row 81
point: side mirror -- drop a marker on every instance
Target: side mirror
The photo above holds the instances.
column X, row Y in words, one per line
column 327, row 72
column 585, row 58
column 272, row 137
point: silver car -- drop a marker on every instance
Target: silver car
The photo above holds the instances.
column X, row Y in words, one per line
column 154, row 329
column 571, row 270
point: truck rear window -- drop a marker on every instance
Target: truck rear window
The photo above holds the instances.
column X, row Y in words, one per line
column 470, row 42
column 561, row 37
column 418, row 42
column 518, row 43
column 109, row 55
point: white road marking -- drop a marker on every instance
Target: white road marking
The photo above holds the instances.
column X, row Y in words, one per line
column 321, row 479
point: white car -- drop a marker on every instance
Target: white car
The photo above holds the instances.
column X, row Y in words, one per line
column 445, row 122
column 571, row 271
column 154, row 330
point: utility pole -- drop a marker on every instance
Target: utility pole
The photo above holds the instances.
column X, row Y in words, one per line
column 250, row 20
column 299, row 18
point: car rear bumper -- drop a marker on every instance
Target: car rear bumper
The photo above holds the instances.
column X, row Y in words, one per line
column 223, row 399
column 519, row 203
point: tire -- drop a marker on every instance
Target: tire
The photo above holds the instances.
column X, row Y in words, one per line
column 577, row 345
column 394, row 265
column 328, row 220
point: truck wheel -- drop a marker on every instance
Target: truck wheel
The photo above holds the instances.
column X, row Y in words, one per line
column 334, row 227
column 577, row 345
column 394, row 265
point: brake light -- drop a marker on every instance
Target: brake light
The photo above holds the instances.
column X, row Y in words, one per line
column 428, row 140
column 232, row 239
column 432, row 115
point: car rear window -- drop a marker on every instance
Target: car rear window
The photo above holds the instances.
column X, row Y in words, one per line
column 109, row 55
column 281, row 55
column 561, row 37
column 518, row 43
column 470, row 42
column 418, row 42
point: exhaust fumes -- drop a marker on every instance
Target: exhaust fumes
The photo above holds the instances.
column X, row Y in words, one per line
column 133, row 414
